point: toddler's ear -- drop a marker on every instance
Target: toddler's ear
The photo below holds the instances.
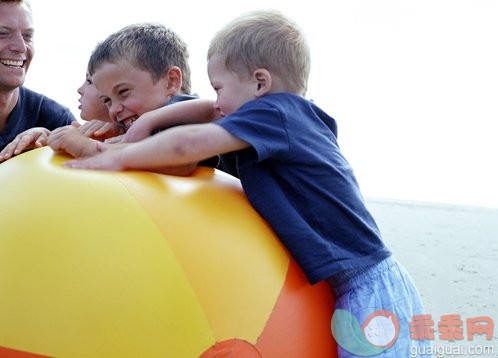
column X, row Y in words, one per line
column 263, row 82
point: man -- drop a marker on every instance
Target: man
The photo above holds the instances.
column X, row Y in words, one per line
column 26, row 117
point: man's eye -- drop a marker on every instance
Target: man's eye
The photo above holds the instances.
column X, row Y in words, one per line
column 28, row 37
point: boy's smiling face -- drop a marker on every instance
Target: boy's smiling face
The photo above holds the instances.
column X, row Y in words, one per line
column 129, row 92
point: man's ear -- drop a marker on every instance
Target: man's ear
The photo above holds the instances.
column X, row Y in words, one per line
column 263, row 82
column 174, row 80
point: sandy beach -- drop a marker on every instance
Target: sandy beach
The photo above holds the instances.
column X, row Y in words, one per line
column 452, row 254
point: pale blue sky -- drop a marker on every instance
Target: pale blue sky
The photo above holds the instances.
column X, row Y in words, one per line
column 412, row 84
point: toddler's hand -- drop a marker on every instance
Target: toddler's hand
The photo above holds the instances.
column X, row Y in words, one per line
column 101, row 130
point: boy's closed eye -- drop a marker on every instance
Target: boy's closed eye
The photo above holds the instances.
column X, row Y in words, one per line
column 124, row 92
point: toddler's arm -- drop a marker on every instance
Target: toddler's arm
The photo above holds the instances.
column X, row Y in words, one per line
column 185, row 112
column 179, row 146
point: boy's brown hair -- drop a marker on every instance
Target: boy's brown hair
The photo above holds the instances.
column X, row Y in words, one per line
column 148, row 46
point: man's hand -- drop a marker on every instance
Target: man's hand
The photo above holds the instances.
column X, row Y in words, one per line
column 29, row 139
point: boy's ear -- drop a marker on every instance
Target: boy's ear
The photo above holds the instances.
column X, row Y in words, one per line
column 174, row 79
column 263, row 82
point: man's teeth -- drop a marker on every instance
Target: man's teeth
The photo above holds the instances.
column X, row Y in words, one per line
column 12, row 63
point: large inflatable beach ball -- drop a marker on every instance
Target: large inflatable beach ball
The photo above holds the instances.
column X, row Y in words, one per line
column 137, row 264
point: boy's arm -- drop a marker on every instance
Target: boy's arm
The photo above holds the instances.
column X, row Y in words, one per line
column 177, row 146
column 185, row 112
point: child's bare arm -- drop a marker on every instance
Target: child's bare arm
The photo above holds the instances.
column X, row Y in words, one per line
column 175, row 147
column 186, row 112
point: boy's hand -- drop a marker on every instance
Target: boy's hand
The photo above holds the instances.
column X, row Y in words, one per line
column 72, row 141
column 111, row 158
column 101, row 130
column 117, row 139
column 29, row 139
column 107, row 159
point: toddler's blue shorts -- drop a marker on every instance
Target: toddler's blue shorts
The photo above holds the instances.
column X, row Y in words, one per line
column 367, row 297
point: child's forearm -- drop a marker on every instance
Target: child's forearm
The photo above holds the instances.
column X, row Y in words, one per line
column 161, row 150
column 181, row 145
column 185, row 112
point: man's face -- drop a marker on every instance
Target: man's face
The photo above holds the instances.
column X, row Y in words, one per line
column 16, row 44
